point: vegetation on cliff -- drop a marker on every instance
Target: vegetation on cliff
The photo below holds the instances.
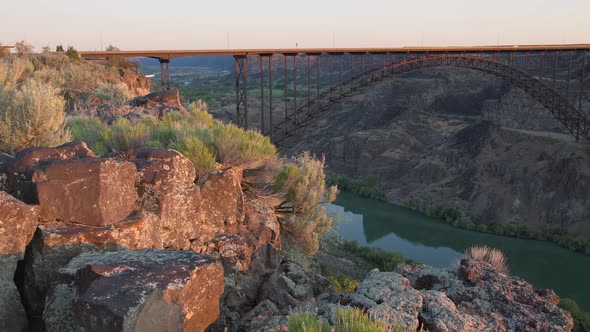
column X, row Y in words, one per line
column 347, row 320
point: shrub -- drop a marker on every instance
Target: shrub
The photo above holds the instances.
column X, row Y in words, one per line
column 236, row 146
column 302, row 215
column 489, row 255
column 581, row 318
column 23, row 48
column 197, row 152
column 91, row 131
column 31, row 115
column 343, row 283
column 73, row 54
column 127, row 137
column 116, row 94
column 384, row 260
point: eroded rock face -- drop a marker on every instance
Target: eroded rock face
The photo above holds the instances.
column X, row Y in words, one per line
column 17, row 225
column 142, row 290
column 89, row 191
column 55, row 244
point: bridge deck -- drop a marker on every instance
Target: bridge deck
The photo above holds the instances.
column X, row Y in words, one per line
column 171, row 54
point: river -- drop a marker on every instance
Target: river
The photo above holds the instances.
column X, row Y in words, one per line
column 394, row 228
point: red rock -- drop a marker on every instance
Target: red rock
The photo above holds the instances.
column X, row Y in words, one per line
column 143, row 290
column 164, row 168
column 90, row 191
column 17, row 224
column 20, row 169
column 168, row 97
column 54, row 244
column 166, row 188
column 222, row 202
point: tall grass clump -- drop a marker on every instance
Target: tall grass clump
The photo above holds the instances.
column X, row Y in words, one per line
column 492, row 256
column 347, row 320
column 127, row 137
column 90, row 130
column 301, row 214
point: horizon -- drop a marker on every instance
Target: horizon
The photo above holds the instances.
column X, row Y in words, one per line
column 378, row 23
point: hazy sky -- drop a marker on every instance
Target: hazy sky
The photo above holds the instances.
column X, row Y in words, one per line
column 195, row 24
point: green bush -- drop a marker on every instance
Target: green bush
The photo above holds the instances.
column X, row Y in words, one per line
column 91, row 131
column 581, row 318
column 343, row 283
column 197, row 152
column 127, row 137
column 384, row 260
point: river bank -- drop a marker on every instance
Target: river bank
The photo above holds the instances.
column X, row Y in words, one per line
column 427, row 240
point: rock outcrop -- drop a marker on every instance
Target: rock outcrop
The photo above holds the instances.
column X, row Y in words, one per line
column 142, row 290
column 166, row 97
column 98, row 211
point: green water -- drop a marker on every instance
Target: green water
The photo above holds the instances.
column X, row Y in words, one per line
column 432, row 242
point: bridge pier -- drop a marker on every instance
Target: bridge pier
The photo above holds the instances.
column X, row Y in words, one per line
column 165, row 73
column 241, row 72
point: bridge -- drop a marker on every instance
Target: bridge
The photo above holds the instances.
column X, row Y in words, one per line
column 555, row 75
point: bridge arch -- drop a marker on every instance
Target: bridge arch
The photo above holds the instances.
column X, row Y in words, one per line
column 575, row 121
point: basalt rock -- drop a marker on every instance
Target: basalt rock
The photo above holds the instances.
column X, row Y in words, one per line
column 167, row 97
column 90, row 191
column 166, row 187
column 19, row 170
column 222, row 202
column 55, row 244
column 17, row 225
column 142, row 290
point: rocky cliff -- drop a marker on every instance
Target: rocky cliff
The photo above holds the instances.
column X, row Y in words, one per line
column 72, row 218
column 457, row 138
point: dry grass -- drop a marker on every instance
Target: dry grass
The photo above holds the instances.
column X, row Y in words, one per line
column 489, row 255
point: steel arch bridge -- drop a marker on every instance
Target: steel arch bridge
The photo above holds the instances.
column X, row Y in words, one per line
column 575, row 121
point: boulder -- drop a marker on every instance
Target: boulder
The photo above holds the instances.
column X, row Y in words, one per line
column 167, row 97
column 90, row 191
column 166, row 187
column 142, row 290
column 222, row 202
column 19, row 170
column 17, row 225
column 388, row 296
column 55, row 244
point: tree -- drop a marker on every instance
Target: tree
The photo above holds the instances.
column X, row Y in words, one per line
column 59, row 48
column 23, row 48
column 112, row 48
column 72, row 53
column 46, row 49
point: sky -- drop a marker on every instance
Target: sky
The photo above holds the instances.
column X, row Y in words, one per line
column 202, row 24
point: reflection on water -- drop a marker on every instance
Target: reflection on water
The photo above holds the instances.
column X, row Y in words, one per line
column 394, row 228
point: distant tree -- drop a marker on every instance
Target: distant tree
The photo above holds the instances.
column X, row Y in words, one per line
column 112, row 48
column 23, row 48
column 59, row 48
column 46, row 49
column 72, row 53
